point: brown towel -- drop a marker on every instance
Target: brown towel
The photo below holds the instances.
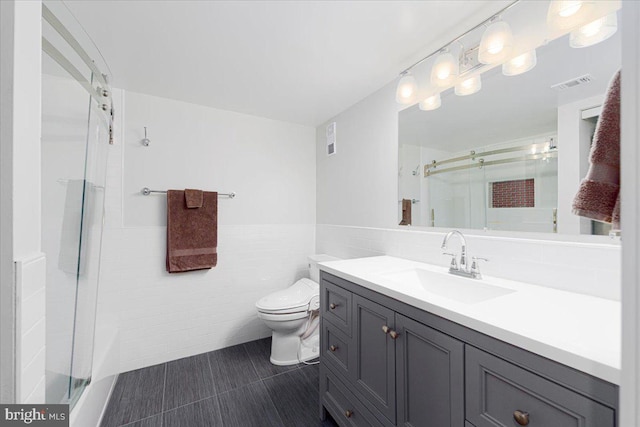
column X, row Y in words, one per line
column 406, row 212
column 192, row 233
column 599, row 194
column 193, row 198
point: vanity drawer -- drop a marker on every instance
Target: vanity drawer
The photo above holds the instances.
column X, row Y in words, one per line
column 345, row 408
column 336, row 306
column 499, row 393
column 336, row 349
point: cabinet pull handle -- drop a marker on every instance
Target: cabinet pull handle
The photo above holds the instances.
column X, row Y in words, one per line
column 393, row 334
column 333, row 347
column 521, row 417
column 348, row 413
column 332, row 306
column 386, row 329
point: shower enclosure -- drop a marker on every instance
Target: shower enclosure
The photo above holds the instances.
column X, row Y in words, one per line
column 76, row 132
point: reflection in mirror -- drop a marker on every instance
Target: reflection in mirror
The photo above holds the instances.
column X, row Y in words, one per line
column 511, row 155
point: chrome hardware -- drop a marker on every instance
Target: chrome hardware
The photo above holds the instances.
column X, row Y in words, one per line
column 104, row 107
column 454, row 262
column 147, row 191
column 475, row 267
column 332, row 306
column 393, row 334
column 462, row 269
column 522, row 418
column 348, row 413
column 105, row 93
column 333, row 347
column 386, row 329
column 145, row 141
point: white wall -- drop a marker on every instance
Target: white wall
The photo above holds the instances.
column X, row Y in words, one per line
column 22, row 283
column 264, row 234
column 357, row 213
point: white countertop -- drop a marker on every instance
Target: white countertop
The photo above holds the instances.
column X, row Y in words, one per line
column 577, row 330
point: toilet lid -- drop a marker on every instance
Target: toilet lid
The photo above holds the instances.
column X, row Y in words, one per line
column 296, row 296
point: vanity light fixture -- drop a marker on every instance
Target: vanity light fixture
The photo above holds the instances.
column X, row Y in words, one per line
column 444, row 70
column 594, row 32
column 407, row 89
column 468, row 86
column 520, row 64
column 431, row 103
column 567, row 14
column 496, row 43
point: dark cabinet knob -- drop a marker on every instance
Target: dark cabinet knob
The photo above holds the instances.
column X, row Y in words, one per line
column 348, row 413
column 333, row 347
column 521, row 417
column 332, row 306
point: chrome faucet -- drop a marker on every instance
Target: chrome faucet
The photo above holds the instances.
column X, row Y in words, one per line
column 462, row 268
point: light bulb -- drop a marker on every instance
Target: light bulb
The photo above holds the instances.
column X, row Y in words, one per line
column 520, row 64
column 594, row 32
column 496, row 43
column 407, row 89
column 568, row 14
column 444, row 70
column 431, row 103
column 468, row 86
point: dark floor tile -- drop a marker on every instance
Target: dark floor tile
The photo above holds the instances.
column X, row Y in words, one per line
column 188, row 380
column 155, row 421
column 231, row 368
column 205, row 413
column 249, row 406
column 260, row 352
column 137, row 395
column 295, row 396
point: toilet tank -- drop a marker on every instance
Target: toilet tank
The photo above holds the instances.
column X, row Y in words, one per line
column 314, row 271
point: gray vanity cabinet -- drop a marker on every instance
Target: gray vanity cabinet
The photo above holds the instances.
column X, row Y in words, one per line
column 385, row 363
column 430, row 376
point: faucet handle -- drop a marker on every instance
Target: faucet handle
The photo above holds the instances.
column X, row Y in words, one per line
column 474, row 264
column 454, row 262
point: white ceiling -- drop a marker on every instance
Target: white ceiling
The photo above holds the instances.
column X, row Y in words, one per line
column 297, row 61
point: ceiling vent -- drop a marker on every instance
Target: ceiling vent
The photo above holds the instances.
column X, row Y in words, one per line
column 573, row 82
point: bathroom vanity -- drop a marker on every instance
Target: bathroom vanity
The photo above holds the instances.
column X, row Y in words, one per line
column 404, row 343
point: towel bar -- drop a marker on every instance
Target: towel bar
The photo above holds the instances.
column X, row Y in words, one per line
column 146, row 191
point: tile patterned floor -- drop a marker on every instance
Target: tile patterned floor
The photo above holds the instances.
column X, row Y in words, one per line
column 233, row 387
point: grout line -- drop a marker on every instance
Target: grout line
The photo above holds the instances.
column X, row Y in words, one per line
column 273, row 403
column 142, row 419
column 164, row 391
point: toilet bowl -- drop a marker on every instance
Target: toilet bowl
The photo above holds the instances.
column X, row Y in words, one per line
column 291, row 314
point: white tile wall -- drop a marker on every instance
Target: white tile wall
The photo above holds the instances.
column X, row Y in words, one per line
column 587, row 268
column 164, row 316
column 264, row 235
column 30, row 284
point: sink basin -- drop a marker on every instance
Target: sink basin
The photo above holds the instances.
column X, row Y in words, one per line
column 460, row 289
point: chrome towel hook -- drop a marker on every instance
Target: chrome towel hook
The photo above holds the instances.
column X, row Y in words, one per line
column 146, row 141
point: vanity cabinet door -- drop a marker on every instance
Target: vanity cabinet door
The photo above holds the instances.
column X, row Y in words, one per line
column 374, row 370
column 430, row 372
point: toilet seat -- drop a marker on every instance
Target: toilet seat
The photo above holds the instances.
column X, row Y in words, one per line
column 292, row 300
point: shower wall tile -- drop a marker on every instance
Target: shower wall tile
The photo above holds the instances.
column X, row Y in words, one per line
column 588, row 268
column 31, row 322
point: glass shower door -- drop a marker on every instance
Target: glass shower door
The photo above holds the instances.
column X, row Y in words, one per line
column 75, row 145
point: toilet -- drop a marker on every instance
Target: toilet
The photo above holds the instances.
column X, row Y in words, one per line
column 292, row 315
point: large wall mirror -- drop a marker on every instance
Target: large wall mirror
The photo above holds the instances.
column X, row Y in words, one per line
column 511, row 156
